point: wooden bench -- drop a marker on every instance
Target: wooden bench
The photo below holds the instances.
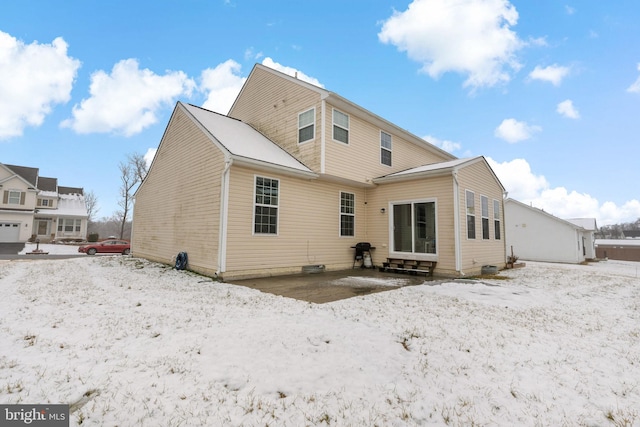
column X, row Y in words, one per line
column 408, row 266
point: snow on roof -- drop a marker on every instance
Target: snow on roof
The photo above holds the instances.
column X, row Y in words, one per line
column 48, row 194
column 618, row 242
column 430, row 169
column 241, row 140
column 71, row 205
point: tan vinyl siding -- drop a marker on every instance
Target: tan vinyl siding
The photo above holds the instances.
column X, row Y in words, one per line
column 308, row 226
column 177, row 206
column 364, row 145
column 478, row 252
column 271, row 105
column 438, row 188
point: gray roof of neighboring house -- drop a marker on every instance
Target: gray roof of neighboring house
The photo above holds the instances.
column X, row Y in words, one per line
column 70, row 190
column 586, row 223
column 47, row 184
column 243, row 142
column 28, row 174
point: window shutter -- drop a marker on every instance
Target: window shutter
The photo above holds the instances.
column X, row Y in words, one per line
column 22, row 198
column 5, row 198
column 39, row 202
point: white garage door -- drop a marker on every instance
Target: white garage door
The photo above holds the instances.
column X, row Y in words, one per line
column 9, row 232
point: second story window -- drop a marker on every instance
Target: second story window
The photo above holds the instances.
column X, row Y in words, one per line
column 13, row 197
column 306, row 125
column 340, row 126
column 385, row 148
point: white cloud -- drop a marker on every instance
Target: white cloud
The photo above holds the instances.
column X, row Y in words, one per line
column 223, row 84
column 570, row 10
column 514, row 131
column 126, row 101
column 566, row 109
column 268, row 62
column 33, row 78
column 149, row 155
column 552, row 74
column 446, row 145
column 471, row 37
column 635, row 87
column 527, row 187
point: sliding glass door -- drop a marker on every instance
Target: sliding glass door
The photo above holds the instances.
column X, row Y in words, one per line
column 414, row 227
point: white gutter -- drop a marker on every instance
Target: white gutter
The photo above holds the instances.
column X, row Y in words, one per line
column 456, row 221
column 224, row 212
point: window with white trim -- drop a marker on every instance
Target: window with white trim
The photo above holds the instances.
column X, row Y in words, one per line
column 484, row 204
column 385, row 148
column 14, row 197
column 414, row 227
column 340, row 126
column 265, row 220
column 69, row 225
column 471, row 214
column 347, row 214
column 496, row 220
column 306, row 125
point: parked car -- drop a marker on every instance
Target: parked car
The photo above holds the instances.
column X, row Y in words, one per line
column 107, row 247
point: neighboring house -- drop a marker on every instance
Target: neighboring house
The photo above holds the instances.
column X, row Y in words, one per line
column 536, row 235
column 33, row 207
column 631, row 234
column 620, row 249
column 296, row 175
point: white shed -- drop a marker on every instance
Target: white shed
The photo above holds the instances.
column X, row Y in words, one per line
column 536, row 235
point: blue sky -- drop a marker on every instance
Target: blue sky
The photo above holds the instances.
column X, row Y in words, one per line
column 548, row 91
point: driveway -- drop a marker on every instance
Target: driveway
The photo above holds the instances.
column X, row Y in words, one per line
column 10, row 248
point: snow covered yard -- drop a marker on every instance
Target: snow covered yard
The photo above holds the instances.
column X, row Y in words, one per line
column 128, row 342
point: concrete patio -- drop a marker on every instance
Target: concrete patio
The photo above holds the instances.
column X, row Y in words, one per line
column 333, row 285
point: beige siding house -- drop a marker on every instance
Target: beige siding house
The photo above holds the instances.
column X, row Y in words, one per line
column 296, row 175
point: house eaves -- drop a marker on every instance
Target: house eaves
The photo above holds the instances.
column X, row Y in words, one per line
column 243, row 144
column 27, row 175
column 430, row 171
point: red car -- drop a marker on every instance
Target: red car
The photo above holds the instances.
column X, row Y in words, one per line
column 107, row 247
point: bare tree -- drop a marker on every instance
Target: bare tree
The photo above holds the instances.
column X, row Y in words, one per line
column 91, row 201
column 132, row 173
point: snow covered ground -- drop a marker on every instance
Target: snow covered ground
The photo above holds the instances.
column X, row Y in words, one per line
column 128, row 342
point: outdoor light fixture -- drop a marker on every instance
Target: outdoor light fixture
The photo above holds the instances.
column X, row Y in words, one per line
column 383, row 210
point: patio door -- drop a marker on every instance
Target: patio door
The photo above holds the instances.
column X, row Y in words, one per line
column 414, row 227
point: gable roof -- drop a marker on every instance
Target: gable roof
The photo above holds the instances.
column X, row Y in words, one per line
column 243, row 143
column 351, row 108
column 436, row 169
column 30, row 175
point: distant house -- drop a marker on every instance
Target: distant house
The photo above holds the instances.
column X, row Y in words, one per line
column 620, row 249
column 536, row 235
column 33, row 206
column 296, row 176
column 631, row 234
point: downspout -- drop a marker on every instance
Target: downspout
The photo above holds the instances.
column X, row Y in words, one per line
column 456, row 222
column 224, row 211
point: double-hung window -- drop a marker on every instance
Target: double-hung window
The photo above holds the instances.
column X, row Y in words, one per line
column 14, row 197
column 484, row 204
column 306, row 126
column 347, row 214
column 385, row 148
column 496, row 219
column 265, row 220
column 340, row 126
column 471, row 214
